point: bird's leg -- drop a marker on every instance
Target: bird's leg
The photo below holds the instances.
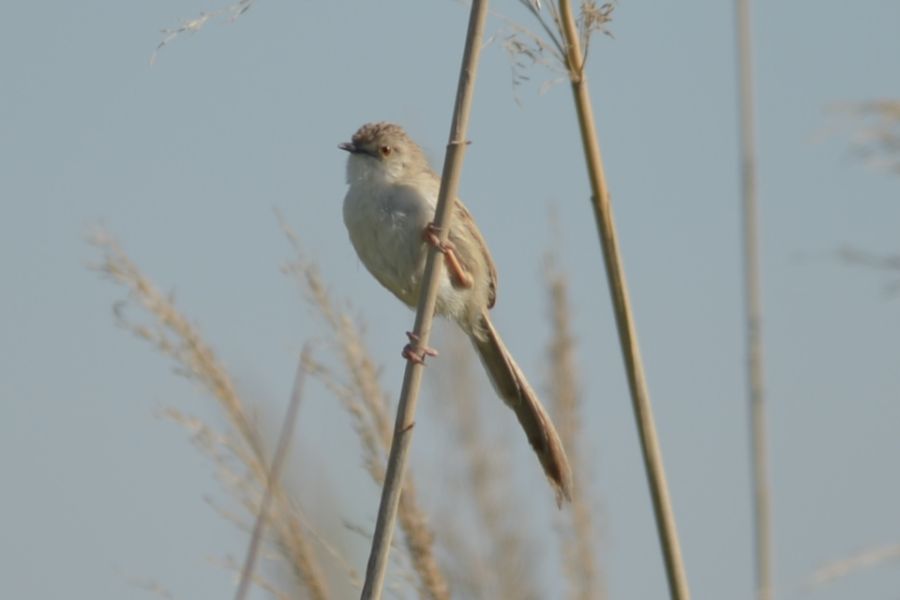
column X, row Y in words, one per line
column 458, row 274
column 413, row 352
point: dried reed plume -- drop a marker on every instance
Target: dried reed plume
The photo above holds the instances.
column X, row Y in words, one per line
column 527, row 48
column 174, row 336
column 364, row 399
column 580, row 556
column 505, row 568
column 877, row 139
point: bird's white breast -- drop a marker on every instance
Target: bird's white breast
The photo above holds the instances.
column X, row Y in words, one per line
column 385, row 221
column 386, row 216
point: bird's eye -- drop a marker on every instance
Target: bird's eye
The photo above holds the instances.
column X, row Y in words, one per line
column 386, row 150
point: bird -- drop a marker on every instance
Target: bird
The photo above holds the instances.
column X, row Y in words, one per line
column 389, row 211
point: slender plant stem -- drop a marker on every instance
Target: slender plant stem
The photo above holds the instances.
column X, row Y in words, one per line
column 753, row 306
column 662, row 506
column 406, row 408
column 284, row 442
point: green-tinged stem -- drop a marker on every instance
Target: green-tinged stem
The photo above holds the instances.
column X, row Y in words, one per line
column 662, row 506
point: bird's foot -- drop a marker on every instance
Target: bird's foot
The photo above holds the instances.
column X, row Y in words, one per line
column 414, row 351
column 458, row 275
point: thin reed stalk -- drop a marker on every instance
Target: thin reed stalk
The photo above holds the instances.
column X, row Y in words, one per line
column 403, row 426
column 284, row 442
column 753, row 307
column 662, row 505
column 866, row 559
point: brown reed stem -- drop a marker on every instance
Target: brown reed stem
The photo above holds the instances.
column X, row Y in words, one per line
column 753, row 307
column 406, row 408
column 662, row 506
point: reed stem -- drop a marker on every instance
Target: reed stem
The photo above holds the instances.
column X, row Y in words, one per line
column 753, row 308
column 406, row 408
column 659, row 491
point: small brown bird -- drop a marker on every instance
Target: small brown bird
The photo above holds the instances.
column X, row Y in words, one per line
column 388, row 210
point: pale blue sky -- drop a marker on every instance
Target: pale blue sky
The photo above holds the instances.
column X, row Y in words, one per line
column 184, row 162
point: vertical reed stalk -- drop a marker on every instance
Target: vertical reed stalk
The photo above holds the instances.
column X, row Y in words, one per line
column 284, row 442
column 662, row 506
column 753, row 307
column 406, row 408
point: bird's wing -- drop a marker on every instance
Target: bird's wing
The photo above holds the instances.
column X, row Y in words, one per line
column 463, row 219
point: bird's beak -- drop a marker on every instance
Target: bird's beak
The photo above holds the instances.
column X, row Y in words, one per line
column 349, row 147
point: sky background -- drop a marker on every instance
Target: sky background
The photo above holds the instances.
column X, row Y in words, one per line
column 184, row 162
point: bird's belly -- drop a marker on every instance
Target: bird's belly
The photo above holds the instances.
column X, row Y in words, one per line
column 389, row 243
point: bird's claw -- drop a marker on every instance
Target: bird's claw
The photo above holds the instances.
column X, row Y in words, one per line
column 432, row 235
column 414, row 352
column 458, row 274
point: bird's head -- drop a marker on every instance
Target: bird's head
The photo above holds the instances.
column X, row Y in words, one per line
column 382, row 151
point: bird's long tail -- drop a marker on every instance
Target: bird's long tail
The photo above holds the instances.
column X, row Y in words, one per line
column 513, row 388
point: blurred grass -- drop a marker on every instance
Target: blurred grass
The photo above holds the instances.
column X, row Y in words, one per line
column 579, row 532
column 500, row 560
column 172, row 334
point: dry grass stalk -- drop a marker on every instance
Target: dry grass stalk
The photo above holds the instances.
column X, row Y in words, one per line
column 877, row 141
column 527, row 48
column 753, row 306
column 889, row 263
column 256, row 579
column 284, row 441
column 568, row 34
column 867, row 559
column 859, row 257
column 364, row 399
column 151, row 587
column 174, row 336
column 580, row 562
column 230, row 12
column 406, row 406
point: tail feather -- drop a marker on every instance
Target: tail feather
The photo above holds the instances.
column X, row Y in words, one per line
column 513, row 388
